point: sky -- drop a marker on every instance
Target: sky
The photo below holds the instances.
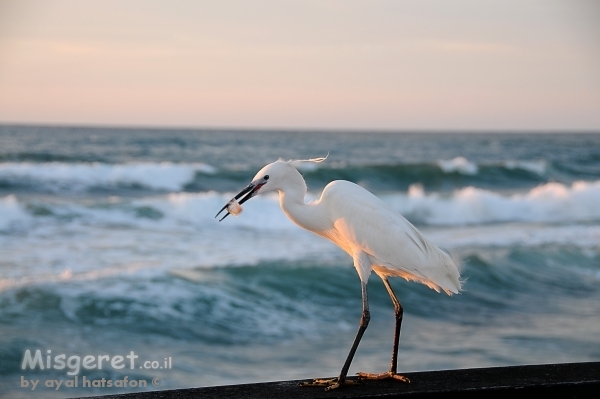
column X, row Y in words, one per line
column 358, row 65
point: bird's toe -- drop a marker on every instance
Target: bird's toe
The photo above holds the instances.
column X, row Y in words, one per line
column 328, row 383
column 383, row 376
column 318, row 382
column 400, row 378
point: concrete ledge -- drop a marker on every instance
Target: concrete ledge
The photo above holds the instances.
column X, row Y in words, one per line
column 580, row 380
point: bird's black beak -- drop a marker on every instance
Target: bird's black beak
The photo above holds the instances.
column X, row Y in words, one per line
column 248, row 192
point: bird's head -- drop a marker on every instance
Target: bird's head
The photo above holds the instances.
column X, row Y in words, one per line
column 274, row 177
column 269, row 178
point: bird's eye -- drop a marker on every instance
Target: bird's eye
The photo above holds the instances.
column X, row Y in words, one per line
column 266, row 177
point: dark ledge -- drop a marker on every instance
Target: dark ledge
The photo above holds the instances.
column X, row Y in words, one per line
column 572, row 380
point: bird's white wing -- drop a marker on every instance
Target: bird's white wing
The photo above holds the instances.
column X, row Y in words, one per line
column 394, row 246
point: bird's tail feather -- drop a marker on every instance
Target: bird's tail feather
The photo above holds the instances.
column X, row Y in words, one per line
column 449, row 280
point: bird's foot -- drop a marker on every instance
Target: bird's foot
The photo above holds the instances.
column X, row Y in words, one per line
column 382, row 376
column 328, row 383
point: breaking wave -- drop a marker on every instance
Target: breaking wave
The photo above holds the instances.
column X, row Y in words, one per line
column 193, row 177
column 546, row 203
column 56, row 176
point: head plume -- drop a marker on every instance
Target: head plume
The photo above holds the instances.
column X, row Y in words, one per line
column 300, row 162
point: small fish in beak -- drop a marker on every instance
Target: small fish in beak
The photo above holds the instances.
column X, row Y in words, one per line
column 234, row 207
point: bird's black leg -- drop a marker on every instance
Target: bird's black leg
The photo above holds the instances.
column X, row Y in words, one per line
column 364, row 322
column 399, row 312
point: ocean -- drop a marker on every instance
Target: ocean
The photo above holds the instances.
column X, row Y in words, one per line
column 109, row 250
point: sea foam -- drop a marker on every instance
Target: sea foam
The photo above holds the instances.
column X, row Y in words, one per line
column 547, row 203
column 459, row 165
column 77, row 176
column 11, row 212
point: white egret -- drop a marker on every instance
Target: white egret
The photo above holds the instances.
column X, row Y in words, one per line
column 375, row 236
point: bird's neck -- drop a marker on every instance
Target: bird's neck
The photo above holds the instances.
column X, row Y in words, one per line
column 291, row 200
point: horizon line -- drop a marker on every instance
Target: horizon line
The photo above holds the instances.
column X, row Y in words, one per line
column 254, row 129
